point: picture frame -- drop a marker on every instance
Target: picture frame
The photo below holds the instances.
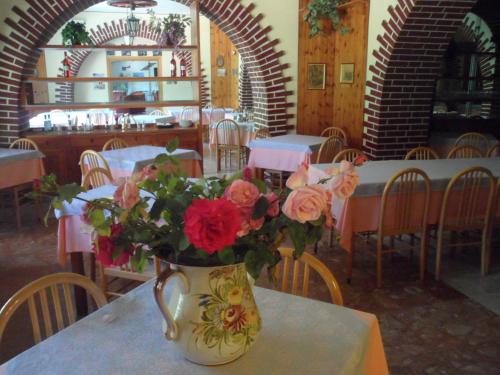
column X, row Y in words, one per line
column 347, row 73
column 316, row 76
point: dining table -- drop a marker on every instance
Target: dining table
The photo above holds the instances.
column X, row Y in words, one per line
column 247, row 133
column 360, row 212
column 299, row 336
column 124, row 162
column 284, row 152
column 19, row 167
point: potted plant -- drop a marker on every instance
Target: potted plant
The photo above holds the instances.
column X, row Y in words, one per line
column 320, row 10
column 75, row 33
column 211, row 232
column 171, row 28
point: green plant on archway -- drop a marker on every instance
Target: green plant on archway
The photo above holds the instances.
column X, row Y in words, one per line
column 319, row 10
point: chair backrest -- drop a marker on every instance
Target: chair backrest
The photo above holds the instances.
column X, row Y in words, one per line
column 225, row 133
column 464, row 152
column 96, row 177
column 262, row 133
column 334, row 131
column 90, row 159
column 329, row 149
column 349, row 154
column 308, row 262
column 57, row 285
column 157, row 112
column 473, row 139
column 24, row 144
column 190, row 113
column 404, row 196
column 216, row 115
column 422, row 153
column 468, row 200
column 114, row 144
column 494, row 151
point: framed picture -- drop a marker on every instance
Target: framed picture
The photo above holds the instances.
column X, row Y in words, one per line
column 346, row 73
column 316, row 76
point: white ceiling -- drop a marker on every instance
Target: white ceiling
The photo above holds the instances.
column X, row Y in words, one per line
column 163, row 7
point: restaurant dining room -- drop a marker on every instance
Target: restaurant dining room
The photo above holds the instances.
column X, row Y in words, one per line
column 249, row 187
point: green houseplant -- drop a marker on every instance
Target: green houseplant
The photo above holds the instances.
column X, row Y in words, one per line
column 318, row 10
column 75, row 33
column 172, row 29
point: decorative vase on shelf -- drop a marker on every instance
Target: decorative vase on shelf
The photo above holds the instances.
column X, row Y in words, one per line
column 212, row 317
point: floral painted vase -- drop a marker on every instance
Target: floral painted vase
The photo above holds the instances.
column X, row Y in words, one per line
column 212, row 317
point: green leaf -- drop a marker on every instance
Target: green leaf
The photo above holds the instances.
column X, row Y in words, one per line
column 226, row 255
column 260, row 185
column 260, row 208
column 97, row 217
column 172, row 145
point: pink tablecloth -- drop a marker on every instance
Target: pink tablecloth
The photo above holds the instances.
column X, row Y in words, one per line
column 20, row 172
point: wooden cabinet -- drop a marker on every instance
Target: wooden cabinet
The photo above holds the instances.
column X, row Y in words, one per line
column 62, row 150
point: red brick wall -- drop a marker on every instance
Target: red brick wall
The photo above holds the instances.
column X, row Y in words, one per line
column 399, row 95
column 41, row 19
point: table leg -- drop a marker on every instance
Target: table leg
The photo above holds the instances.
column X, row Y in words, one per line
column 350, row 259
column 80, row 294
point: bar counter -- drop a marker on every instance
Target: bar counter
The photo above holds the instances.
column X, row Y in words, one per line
column 62, row 149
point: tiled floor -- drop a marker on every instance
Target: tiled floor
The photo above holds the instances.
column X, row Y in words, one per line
column 427, row 328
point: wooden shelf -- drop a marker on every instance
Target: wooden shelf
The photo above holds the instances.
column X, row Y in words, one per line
column 110, row 79
column 110, row 47
column 117, row 105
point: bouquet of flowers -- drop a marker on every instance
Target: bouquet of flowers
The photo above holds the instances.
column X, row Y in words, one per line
column 206, row 222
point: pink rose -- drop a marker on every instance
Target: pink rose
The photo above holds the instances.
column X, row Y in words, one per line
column 306, row 203
column 274, row 204
column 127, row 195
column 344, row 184
column 298, row 178
column 242, row 193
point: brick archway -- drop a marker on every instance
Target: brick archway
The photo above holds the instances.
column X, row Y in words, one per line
column 36, row 23
column 398, row 102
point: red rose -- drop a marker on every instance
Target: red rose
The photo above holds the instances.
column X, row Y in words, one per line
column 105, row 247
column 211, row 225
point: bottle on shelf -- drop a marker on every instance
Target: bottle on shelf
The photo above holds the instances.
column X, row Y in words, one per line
column 183, row 67
column 66, row 65
column 173, row 66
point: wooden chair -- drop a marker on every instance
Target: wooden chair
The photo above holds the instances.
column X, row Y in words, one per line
column 462, row 197
column 55, row 285
column 19, row 190
column 89, row 159
column 494, row 151
column 349, row 154
column 473, row 139
column 227, row 143
column 24, row 144
column 422, row 153
column 125, row 272
column 115, row 144
column 329, row 149
column 407, row 214
column 96, row 177
column 464, row 152
column 334, row 131
column 309, row 262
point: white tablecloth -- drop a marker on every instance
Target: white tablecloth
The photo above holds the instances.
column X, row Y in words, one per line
column 299, row 336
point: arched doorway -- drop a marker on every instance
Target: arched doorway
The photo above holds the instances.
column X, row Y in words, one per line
column 407, row 62
column 41, row 19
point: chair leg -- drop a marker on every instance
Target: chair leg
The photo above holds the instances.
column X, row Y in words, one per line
column 17, row 209
column 380, row 244
column 439, row 250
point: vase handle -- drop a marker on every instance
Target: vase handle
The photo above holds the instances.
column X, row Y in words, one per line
column 172, row 331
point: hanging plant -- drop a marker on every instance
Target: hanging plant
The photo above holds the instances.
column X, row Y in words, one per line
column 75, row 33
column 171, row 28
column 318, row 10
